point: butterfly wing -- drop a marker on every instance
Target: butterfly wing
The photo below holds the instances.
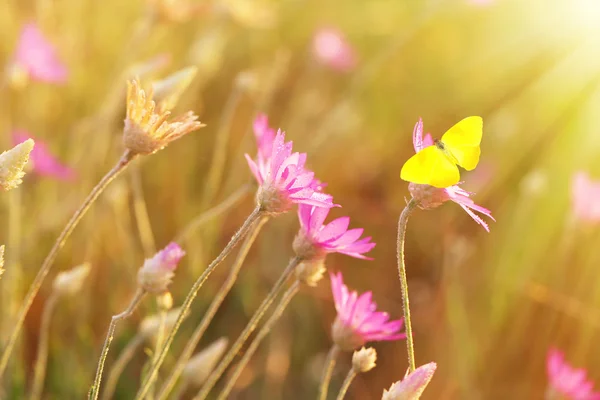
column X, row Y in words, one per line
column 463, row 140
column 432, row 167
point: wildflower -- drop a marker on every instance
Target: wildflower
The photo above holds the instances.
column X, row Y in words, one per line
column 572, row 383
column 42, row 160
column 331, row 49
column 357, row 320
column 1, row 260
column 429, row 197
column 315, row 239
column 585, row 197
column 363, row 360
column 412, row 386
column 157, row 272
column 281, row 174
column 35, row 58
column 147, row 129
column 70, row 282
column 202, row 364
column 12, row 163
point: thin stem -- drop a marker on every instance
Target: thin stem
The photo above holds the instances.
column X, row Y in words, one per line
column 137, row 298
column 60, row 241
column 141, row 211
column 214, row 212
column 328, row 371
column 42, row 353
column 119, row 366
column 212, row 310
column 264, row 331
column 347, row 382
column 160, row 337
column 239, row 235
column 211, row 381
column 410, row 347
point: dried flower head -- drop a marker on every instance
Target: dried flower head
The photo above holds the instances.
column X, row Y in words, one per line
column 167, row 91
column 202, row 364
column 568, row 382
column 363, row 360
column 149, row 325
column 412, row 386
column 333, row 50
column 157, row 272
column 1, row 260
column 429, row 197
column 43, row 162
column 68, row 283
column 315, row 239
column 146, row 128
column 358, row 320
column 12, row 163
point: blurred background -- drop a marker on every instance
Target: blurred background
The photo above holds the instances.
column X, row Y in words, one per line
column 347, row 81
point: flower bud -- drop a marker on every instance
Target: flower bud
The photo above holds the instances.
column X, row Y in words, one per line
column 345, row 336
column 69, row 282
column 202, row 364
column 149, row 326
column 363, row 360
column 157, row 272
column 12, row 163
column 164, row 301
column 310, row 272
column 412, row 386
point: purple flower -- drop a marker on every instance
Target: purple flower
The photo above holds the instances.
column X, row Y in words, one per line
column 357, row 320
column 331, row 49
column 566, row 380
column 157, row 272
column 429, row 197
column 37, row 57
column 44, row 163
column 335, row 237
column 412, row 386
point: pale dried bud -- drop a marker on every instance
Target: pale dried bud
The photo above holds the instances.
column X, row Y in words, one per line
column 363, row 360
column 345, row 337
column 12, row 163
column 202, row 364
column 146, row 129
column 1, row 260
column 306, row 249
column 164, row 301
column 157, row 272
column 167, row 91
column 149, row 326
column 310, row 272
column 412, row 386
column 427, row 197
column 69, row 282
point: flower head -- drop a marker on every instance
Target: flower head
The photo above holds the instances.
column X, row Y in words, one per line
column 315, row 239
column 412, row 386
column 585, row 197
column 566, row 380
column 146, row 128
column 357, row 320
column 281, row 174
column 363, row 360
column 331, row 49
column 36, row 58
column 204, row 362
column 42, row 160
column 70, row 282
column 429, row 197
column 12, row 163
column 157, row 272
column 150, row 325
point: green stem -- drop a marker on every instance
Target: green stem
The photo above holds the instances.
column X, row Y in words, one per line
column 60, row 241
column 254, row 321
column 119, row 366
column 137, row 298
column 169, row 384
column 265, row 330
column 42, row 353
column 347, row 382
column 328, row 371
column 402, row 222
column 141, row 211
column 240, row 234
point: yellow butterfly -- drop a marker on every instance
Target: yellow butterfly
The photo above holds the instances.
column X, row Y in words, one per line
column 437, row 165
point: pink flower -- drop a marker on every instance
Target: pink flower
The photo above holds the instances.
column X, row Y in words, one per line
column 157, row 272
column 331, row 49
column 585, row 197
column 566, row 380
column 37, row 57
column 413, row 385
column 429, row 197
column 357, row 320
column 316, row 238
column 281, row 174
column 44, row 163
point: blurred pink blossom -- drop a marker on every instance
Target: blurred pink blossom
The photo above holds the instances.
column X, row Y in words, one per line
column 37, row 57
column 44, row 163
column 413, row 385
column 358, row 320
column 333, row 237
column 572, row 383
column 331, row 49
column 430, row 197
column 157, row 272
column 585, row 197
